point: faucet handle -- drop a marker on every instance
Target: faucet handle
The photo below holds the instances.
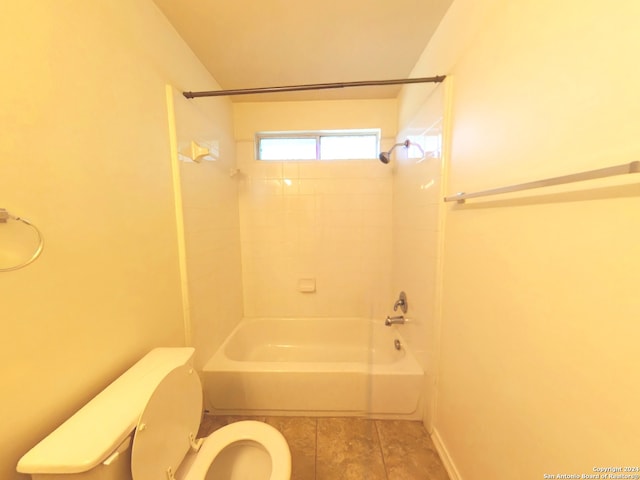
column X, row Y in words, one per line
column 401, row 302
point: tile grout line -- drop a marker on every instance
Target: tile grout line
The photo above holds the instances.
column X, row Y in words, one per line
column 315, row 462
column 384, row 464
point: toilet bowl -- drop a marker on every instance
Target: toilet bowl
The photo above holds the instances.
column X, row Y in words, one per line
column 144, row 426
column 244, row 450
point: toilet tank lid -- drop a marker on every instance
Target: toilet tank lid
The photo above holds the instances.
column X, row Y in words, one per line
column 93, row 433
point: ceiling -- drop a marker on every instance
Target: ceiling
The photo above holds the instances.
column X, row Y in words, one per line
column 267, row 43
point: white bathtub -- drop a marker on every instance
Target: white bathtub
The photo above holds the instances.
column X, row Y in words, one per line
column 313, row 366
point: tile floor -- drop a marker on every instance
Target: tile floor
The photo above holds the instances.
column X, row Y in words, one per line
column 344, row 448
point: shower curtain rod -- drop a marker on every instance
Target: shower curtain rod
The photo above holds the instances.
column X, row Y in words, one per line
column 313, row 86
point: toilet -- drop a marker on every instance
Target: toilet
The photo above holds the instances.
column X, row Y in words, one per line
column 143, row 427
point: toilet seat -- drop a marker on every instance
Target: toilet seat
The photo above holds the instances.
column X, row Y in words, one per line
column 248, row 430
column 167, row 430
column 168, row 425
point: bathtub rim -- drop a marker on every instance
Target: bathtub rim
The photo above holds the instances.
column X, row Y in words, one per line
column 222, row 362
column 227, row 366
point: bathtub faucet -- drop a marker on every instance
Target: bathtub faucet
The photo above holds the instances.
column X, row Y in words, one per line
column 399, row 320
column 401, row 302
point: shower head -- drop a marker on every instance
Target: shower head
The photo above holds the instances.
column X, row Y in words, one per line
column 385, row 157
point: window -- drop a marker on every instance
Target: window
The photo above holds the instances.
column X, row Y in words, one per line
column 325, row 145
column 287, row 148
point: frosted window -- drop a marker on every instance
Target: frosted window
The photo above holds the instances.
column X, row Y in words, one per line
column 288, row 149
column 343, row 147
column 325, row 145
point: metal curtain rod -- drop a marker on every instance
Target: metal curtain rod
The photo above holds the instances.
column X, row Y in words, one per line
column 313, row 86
column 633, row 167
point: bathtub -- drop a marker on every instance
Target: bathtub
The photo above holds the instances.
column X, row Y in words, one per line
column 313, row 366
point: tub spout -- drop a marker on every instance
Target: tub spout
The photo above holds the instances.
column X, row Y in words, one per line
column 399, row 320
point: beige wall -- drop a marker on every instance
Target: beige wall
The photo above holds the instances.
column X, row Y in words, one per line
column 84, row 154
column 540, row 305
column 330, row 221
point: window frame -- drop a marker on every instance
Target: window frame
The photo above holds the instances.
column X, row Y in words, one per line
column 316, row 135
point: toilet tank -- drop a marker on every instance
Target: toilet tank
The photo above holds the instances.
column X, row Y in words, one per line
column 94, row 443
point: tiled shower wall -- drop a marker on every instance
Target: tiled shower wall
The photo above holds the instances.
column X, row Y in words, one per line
column 417, row 199
column 328, row 222
column 211, row 225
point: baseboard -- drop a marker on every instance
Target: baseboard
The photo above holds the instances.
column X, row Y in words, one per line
column 447, row 461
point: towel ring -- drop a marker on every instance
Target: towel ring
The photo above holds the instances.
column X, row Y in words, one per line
column 4, row 215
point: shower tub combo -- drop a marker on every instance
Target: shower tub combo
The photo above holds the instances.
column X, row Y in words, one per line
column 314, row 366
